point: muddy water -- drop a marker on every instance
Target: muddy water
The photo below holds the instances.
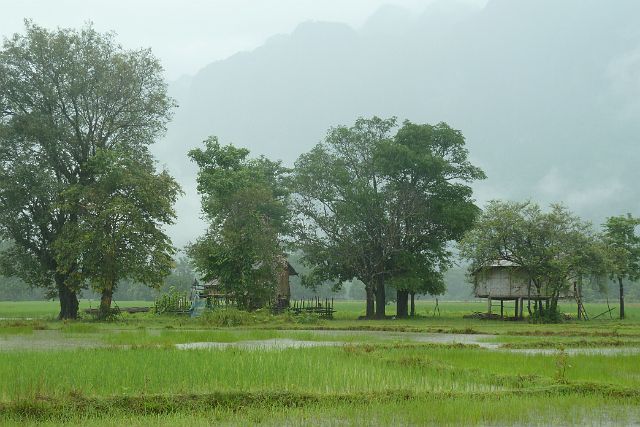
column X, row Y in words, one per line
column 54, row 340
column 468, row 339
column 46, row 340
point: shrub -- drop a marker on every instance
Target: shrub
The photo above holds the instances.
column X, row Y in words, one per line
column 233, row 317
column 546, row 316
column 171, row 301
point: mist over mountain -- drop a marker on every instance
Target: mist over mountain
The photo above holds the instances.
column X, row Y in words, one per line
column 546, row 92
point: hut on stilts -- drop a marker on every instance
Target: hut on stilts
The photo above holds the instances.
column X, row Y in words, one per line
column 506, row 281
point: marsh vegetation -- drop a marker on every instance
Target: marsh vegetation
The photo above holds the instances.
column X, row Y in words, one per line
column 430, row 369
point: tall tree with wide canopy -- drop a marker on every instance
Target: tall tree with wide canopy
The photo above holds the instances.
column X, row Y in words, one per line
column 369, row 200
column 427, row 172
column 246, row 204
column 341, row 207
column 119, row 232
column 64, row 96
column 624, row 245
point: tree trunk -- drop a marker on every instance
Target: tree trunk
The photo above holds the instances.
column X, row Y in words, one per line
column 413, row 304
column 621, row 297
column 402, row 304
column 552, row 306
column 529, row 298
column 68, row 300
column 370, row 301
column 380, row 298
column 105, row 301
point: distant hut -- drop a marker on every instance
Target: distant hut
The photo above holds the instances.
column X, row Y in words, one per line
column 506, row 281
column 215, row 295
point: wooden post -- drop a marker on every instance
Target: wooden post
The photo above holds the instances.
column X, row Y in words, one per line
column 502, row 308
column 489, row 305
column 521, row 308
column 516, row 302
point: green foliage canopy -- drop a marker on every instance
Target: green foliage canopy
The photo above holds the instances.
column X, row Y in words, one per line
column 119, row 231
column 377, row 206
column 246, row 203
column 66, row 95
column 555, row 249
column 624, row 245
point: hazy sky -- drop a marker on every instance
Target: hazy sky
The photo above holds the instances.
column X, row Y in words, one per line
column 187, row 35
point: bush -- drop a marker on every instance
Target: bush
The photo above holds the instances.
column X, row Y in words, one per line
column 233, row 317
column 302, row 318
column 170, row 302
column 546, row 316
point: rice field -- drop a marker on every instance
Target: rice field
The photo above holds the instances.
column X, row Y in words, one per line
column 442, row 370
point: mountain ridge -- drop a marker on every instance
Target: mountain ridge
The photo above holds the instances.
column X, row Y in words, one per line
column 546, row 94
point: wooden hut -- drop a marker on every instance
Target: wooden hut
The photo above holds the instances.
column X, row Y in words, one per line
column 215, row 295
column 283, row 293
column 506, row 281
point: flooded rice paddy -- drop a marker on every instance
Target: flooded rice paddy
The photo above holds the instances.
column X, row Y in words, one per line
column 45, row 340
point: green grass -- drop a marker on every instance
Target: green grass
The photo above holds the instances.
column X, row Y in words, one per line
column 138, row 377
column 559, row 342
column 168, row 337
column 452, row 385
column 50, row 309
column 553, row 409
column 357, row 368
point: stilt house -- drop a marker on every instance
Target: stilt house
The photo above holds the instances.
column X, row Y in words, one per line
column 506, row 281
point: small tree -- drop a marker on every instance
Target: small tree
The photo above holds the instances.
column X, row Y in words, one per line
column 624, row 245
column 246, row 204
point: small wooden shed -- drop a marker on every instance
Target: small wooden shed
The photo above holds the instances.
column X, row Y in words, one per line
column 506, row 281
column 216, row 296
column 283, row 293
column 501, row 279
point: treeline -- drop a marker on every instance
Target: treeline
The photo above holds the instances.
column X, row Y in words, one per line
column 373, row 211
column 376, row 203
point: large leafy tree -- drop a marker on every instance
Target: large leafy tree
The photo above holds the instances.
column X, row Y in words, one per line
column 554, row 249
column 341, row 207
column 246, row 204
column 64, row 96
column 430, row 204
column 624, row 246
column 119, row 232
column 382, row 207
